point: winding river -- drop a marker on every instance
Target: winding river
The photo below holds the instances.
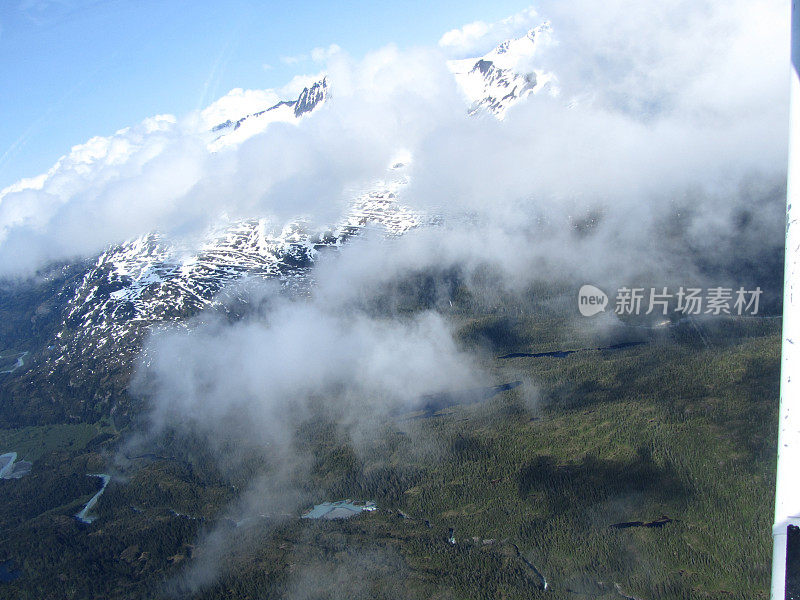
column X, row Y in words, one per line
column 84, row 516
column 7, row 463
column 19, row 364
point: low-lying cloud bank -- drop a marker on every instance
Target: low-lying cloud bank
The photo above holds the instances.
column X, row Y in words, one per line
column 261, row 373
column 253, row 383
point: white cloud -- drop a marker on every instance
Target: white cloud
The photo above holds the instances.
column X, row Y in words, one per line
column 301, row 350
column 237, row 103
column 298, row 82
column 322, row 54
column 668, row 98
column 474, row 39
column 293, row 60
column 170, row 182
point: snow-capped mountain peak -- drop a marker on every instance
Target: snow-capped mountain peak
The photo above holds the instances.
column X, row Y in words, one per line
column 511, row 53
column 235, row 131
column 507, row 74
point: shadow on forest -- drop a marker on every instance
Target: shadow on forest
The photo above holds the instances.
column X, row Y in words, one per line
column 430, row 404
column 565, row 353
column 581, row 484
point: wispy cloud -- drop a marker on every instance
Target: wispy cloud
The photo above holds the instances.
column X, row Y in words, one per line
column 317, row 55
column 322, row 54
column 49, row 12
column 293, row 60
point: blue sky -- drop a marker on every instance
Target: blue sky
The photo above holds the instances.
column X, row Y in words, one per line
column 72, row 69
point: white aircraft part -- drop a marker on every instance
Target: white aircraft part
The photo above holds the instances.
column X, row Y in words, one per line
column 787, row 489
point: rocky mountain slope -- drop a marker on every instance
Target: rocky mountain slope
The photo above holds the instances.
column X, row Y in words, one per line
column 506, row 75
column 131, row 287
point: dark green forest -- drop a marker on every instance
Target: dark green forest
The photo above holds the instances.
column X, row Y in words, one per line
column 644, row 471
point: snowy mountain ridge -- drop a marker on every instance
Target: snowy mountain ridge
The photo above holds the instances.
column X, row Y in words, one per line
column 506, row 75
column 150, row 280
column 232, row 132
